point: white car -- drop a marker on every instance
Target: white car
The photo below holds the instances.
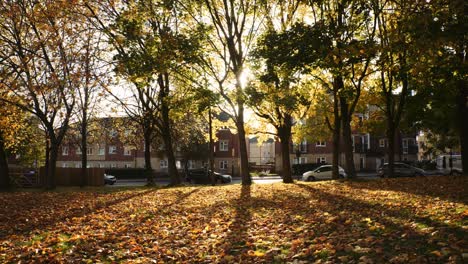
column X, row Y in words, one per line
column 321, row 173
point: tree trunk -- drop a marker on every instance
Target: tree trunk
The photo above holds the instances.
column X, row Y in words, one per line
column 167, row 138
column 148, row 167
column 171, row 160
column 337, row 85
column 4, row 172
column 84, row 151
column 463, row 130
column 210, row 124
column 51, row 173
column 284, row 134
column 391, row 148
column 347, row 134
column 244, row 162
column 45, row 177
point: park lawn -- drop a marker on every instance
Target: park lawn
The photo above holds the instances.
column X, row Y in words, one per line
column 406, row 220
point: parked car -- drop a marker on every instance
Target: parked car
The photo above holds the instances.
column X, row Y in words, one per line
column 321, row 173
column 202, row 176
column 401, row 170
column 109, row 179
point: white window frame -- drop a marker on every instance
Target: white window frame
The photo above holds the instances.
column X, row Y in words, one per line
column 78, row 151
column 190, row 164
column 224, row 145
column 114, row 148
column 163, row 164
column 303, row 146
column 321, row 143
column 127, row 166
column 65, row 151
column 89, row 151
column 113, row 165
column 78, row 165
column 404, row 142
column 223, row 164
column 127, row 151
column 101, row 165
column 113, row 133
column 102, row 151
column 321, row 160
column 64, row 165
column 382, row 142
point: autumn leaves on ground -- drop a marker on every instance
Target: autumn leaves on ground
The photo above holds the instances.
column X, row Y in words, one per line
column 417, row 220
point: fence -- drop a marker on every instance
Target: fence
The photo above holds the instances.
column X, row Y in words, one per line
column 73, row 176
column 24, row 178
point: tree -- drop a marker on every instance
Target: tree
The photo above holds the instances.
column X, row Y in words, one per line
column 439, row 104
column 398, row 56
column 40, row 65
column 278, row 94
column 89, row 90
column 152, row 47
column 235, row 25
column 11, row 125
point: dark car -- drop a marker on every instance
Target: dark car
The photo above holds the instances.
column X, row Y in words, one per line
column 401, row 170
column 202, row 176
column 109, row 179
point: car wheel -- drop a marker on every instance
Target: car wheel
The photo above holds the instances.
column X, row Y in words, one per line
column 311, row 178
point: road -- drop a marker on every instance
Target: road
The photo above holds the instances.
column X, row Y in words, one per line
column 257, row 180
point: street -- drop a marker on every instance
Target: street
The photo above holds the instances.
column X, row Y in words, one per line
column 236, row 180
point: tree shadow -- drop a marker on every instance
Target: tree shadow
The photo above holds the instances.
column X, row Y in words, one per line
column 450, row 188
column 75, row 210
column 237, row 239
column 403, row 226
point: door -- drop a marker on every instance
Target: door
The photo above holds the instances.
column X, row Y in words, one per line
column 325, row 173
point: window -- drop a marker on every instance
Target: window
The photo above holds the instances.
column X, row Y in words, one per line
column 190, row 164
column 321, row 143
column 112, row 150
column 382, row 142
column 321, row 160
column 64, row 152
column 300, row 160
column 89, row 151
column 303, row 146
column 178, row 164
column 101, row 165
column 127, row 151
column 77, row 165
column 127, row 166
column 113, row 133
column 64, row 165
column 113, row 165
column 223, row 165
column 405, row 144
column 223, row 145
column 163, row 163
column 325, row 169
column 102, row 151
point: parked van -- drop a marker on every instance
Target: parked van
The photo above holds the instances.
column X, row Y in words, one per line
column 449, row 164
